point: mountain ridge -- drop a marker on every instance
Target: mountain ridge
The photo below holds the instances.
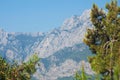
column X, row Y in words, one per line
column 55, row 48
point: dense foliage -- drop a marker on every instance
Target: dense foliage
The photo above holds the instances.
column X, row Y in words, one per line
column 17, row 72
column 104, row 41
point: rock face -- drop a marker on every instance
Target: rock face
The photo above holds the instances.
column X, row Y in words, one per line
column 70, row 33
column 17, row 46
column 61, row 50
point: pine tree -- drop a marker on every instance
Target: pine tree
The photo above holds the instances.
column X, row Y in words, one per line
column 104, row 40
column 18, row 72
column 82, row 75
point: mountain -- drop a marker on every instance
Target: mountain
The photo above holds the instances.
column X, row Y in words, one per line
column 70, row 33
column 16, row 45
column 61, row 50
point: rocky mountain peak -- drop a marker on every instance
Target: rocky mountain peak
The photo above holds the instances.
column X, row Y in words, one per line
column 60, row 50
column 70, row 33
column 75, row 20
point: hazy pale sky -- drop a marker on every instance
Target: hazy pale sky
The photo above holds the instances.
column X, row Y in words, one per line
column 40, row 15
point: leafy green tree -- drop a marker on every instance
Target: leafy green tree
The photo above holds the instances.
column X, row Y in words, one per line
column 18, row 72
column 104, row 41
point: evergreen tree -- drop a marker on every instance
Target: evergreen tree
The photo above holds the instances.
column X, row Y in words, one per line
column 18, row 72
column 82, row 75
column 104, row 41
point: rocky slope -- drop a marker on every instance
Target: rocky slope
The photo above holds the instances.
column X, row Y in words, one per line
column 17, row 46
column 70, row 33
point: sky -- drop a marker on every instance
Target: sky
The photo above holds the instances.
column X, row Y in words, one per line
column 41, row 15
